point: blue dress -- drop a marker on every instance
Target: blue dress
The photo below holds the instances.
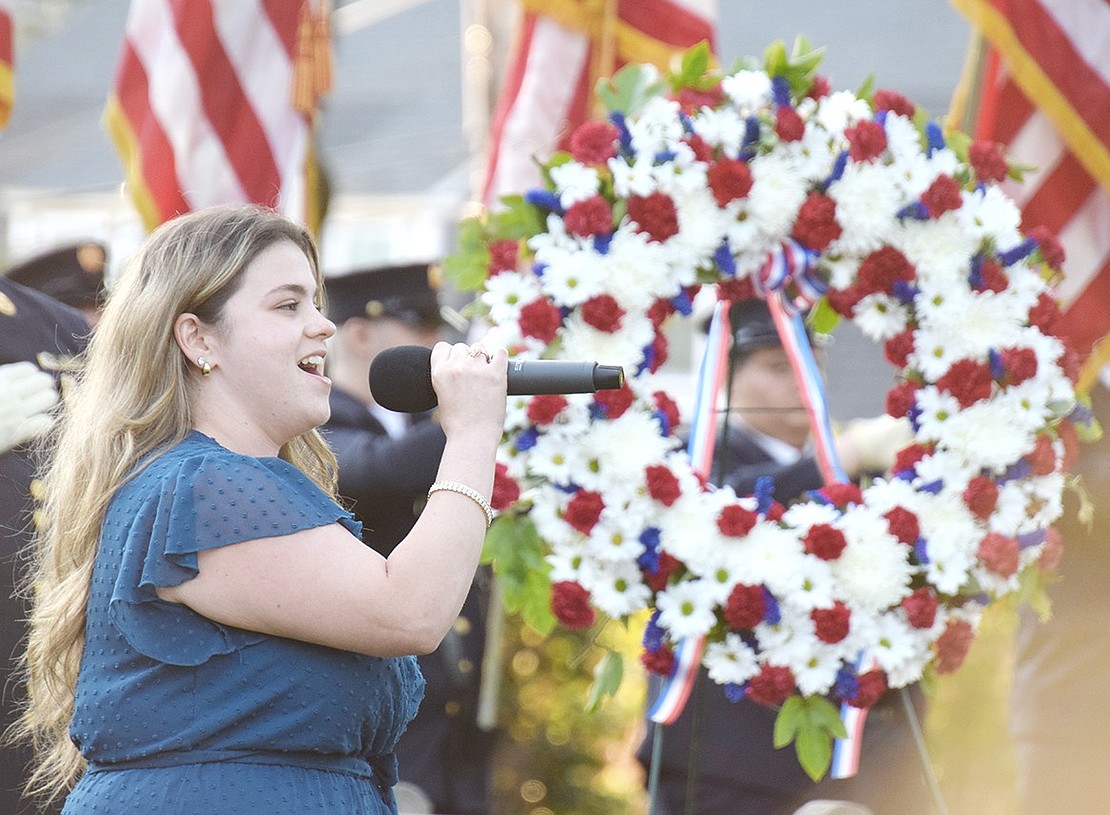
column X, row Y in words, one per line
column 178, row 714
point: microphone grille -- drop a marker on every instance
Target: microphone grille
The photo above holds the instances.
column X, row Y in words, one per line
column 401, row 379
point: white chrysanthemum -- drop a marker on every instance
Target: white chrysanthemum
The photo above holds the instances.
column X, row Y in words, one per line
column 804, row 514
column 770, row 555
column 933, row 352
column 867, row 201
column 944, row 468
column 951, row 541
column 624, row 347
column 903, row 142
column 574, row 182
column 685, row 610
column 656, row 127
column 505, row 294
column 880, row 316
column 838, row 111
column 723, row 128
column 748, row 90
column 631, row 179
column 778, row 190
column 636, row 271
column 972, row 322
column 815, row 155
column 988, row 214
column 617, row 588
column 936, row 408
column 688, row 531
column 730, row 661
column 566, row 560
column 939, row 250
column 701, row 229
column 571, row 278
column 618, row 452
column 615, row 537
column 554, row 458
column 901, row 650
column 986, row 435
column 814, row 663
column 816, row 586
column 873, row 572
column 547, row 505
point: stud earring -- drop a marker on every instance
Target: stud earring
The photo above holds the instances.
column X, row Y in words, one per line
column 205, row 368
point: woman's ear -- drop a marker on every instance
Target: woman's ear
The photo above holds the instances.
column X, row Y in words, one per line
column 191, row 336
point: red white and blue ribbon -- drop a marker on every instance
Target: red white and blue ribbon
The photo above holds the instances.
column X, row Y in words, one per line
column 790, row 269
column 845, row 757
column 712, row 374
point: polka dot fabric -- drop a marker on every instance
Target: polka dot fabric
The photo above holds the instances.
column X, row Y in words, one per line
column 178, row 714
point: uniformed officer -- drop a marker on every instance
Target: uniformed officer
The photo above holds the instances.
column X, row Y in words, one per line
column 387, row 462
column 72, row 274
column 40, row 340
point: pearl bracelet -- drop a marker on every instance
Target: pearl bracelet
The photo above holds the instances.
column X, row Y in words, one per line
column 469, row 492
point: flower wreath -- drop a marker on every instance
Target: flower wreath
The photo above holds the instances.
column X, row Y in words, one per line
column 699, row 179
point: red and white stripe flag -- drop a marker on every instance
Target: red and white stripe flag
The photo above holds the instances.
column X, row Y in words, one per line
column 209, row 104
column 1046, row 95
column 7, row 61
column 562, row 49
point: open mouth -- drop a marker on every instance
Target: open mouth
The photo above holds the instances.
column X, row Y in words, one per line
column 313, row 365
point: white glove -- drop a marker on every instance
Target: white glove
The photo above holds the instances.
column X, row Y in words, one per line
column 869, row 445
column 26, row 396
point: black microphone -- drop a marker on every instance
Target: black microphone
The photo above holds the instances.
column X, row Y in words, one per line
column 401, row 378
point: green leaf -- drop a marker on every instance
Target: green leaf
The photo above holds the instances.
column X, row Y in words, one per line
column 630, row 88
column 468, row 266
column 608, row 675
column 788, row 721
column 693, row 68
column 811, row 722
column 814, row 750
column 822, row 318
column 514, row 549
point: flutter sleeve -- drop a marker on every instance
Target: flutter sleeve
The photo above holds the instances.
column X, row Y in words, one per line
column 199, row 503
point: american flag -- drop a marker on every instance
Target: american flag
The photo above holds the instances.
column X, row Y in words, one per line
column 1045, row 93
column 213, row 103
column 7, row 62
column 563, row 47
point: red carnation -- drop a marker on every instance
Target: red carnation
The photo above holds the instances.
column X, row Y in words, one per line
column 942, row 196
column 669, row 408
column 665, row 568
column 921, row 608
column 841, row 494
column 540, row 319
column 882, row 268
column 819, row 87
column 871, row 686
column 866, row 140
column 771, row 686
column 903, row 525
column 729, row 179
column 895, row 103
column 1020, row 364
column 615, row 401
column 603, row 313
column 655, row 215
column 952, row 646
column 987, row 161
column 502, row 257
column 1053, row 550
column 843, row 301
column 543, row 409
column 736, row 289
column 831, row 624
column 583, row 510
column 981, row 496
column 898, row 348
column 745, row 607
column 703, row 150
column 816, row 226
column 660, row 662
column 825, row 541
column 788, row 124
column 594, row 142
column 735, row 521
column 968, row 381
column 1066, row 432
column 505, row 489
column 1052, row 252
column 907, row 457
column 775, row 512
column 571, row 604
column 1045, row 313
column 659, row 311
column 693, row 99
column 999, row 553
column 993, row 278
column 1043, row 458
column 662, row 485
column 589, row 217
column 660, row 351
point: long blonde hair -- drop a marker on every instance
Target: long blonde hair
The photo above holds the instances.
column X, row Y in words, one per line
column 130, row 398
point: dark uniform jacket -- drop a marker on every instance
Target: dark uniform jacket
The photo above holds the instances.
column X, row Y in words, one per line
column 385, row 482
column 738, row 770
column 33, row 328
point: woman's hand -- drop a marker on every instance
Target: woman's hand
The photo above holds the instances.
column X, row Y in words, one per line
column 471, row 385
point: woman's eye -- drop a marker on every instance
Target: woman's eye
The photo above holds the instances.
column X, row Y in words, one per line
column 292, row 306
